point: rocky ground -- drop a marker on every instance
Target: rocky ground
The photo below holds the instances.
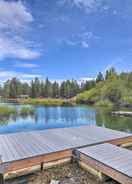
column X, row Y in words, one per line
column 66, row 174
column 130, row 148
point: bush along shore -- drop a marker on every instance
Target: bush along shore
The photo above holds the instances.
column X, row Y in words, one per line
column 7, row 111
column 46, row 102
column 27, row 111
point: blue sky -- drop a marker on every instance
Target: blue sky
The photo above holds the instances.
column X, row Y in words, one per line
column 64, row 39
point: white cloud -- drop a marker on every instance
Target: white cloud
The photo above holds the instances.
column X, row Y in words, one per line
column 85, row 44
column 8, row 74
column 86, row 79
column 26, row 65
column 4, row 74
column 85, row 3
column 82, row 39
column 14, row 18
column 30, row 76
column 100, row 6
column 11, row 48
column 13, row 14
column 88, row 5
column 71, row 42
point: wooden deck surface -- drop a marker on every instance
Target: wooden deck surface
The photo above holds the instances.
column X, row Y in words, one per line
column 19, row 146
column 113, row 156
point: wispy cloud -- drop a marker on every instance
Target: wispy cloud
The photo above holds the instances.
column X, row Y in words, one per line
column 26, row 65
column 100, row 6
column 94, row 6
column 91, row 4
column 14, row 14
column 15, row 18
column 8, row 74
column 86, row 79
column 13, row 48
column 81, row 39
column 88, row 5
column 85, row 44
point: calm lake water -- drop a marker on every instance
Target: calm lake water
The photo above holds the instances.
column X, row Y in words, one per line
column 56, row 117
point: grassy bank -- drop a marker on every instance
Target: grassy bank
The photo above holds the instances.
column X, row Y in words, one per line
column 115, row 92
column 46, row 102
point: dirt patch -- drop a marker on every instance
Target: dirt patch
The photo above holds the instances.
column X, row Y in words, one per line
column 66, row 174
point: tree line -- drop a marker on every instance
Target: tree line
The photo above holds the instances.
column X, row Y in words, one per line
column 14, row 88
column 37, row 88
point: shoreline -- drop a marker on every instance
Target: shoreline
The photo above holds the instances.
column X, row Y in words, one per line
column 70, row 102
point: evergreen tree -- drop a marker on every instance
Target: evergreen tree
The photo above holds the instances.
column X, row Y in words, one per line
column 55, row 88
column 14, row 88
column 111, row 74
column 48, row 88
column 32, row 90
column 25, row 89
column 63, row 90
column 6, row 89
column 100, row 77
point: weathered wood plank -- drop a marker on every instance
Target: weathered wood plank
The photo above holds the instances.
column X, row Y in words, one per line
column 21, row 164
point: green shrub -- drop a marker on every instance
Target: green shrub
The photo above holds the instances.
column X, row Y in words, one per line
column 127, row 100
column 6, row 110
column 45, row 102
column 27, row 110
column 90, row 96
column 107, row 92
column 104, row 103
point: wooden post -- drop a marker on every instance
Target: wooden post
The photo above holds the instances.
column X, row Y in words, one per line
column 42, row 166
column 1, row 179
column 1, row 175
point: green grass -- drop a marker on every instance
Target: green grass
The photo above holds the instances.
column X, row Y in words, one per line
column 6, row 110
column 46, row 102
column 27, row 110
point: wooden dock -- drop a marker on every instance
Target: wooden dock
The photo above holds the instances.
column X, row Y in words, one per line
column 121, row 113
column 22, row 152
column 110, row 160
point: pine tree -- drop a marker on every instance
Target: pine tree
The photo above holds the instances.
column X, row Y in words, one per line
column 100, row 77
column 55, row 87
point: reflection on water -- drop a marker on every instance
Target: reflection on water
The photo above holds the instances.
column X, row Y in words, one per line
column 104, row 118
column 55, row 117
column 48, row 117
